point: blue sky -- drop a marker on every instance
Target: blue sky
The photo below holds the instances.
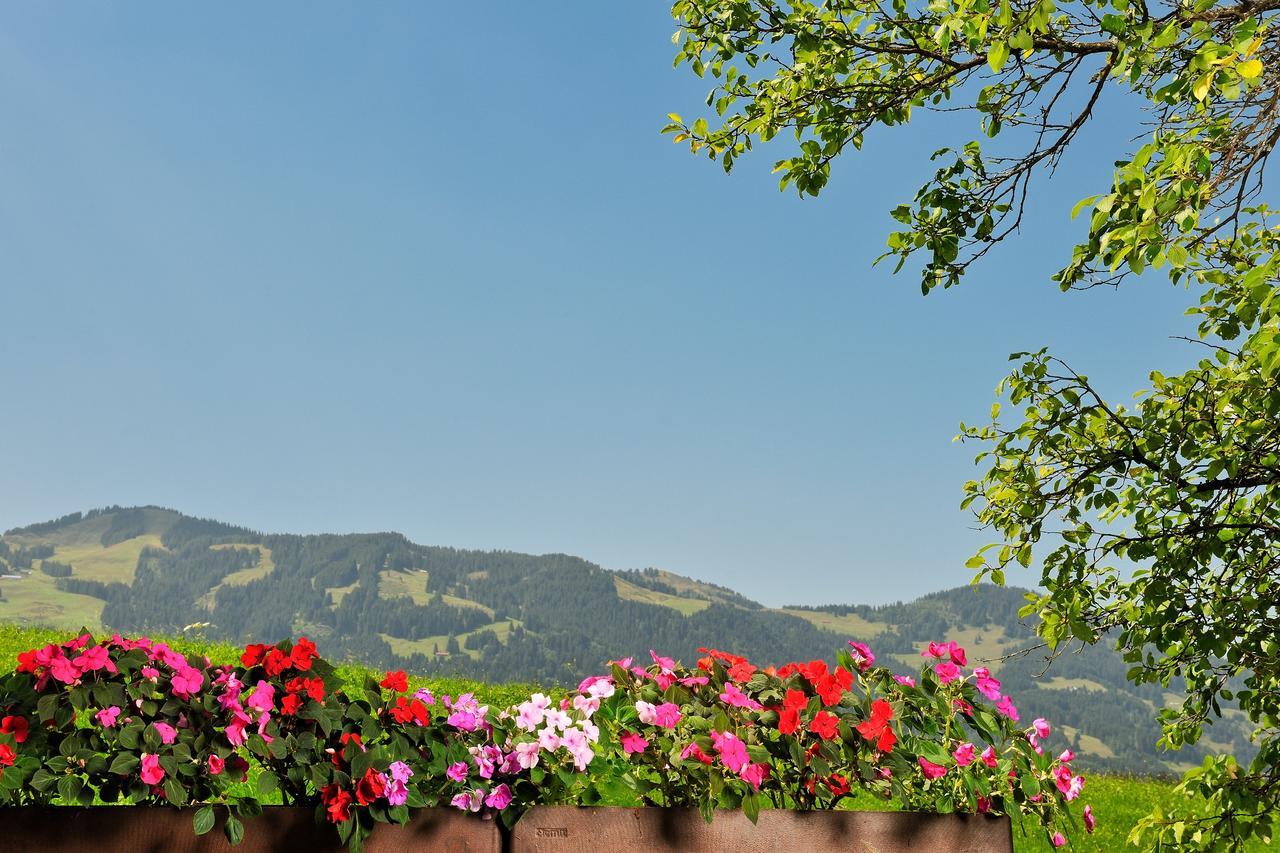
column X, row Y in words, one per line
column 427, row 269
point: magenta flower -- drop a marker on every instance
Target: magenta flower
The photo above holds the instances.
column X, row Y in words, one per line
column 632, row 742
column 1059, row 840
column 1089, row 821
column 469, row 802
column 263, row 697
column 989, row 756
column 107, row 716
column 186, row 682
column 397, row 786
column 152, row 772
column 931, row 770
column 167, row 732
column 733, row 752
column 667, row 715
column 94, row 659
column 753, row 775
column 734, row 696
column 667, row 665
column 1041, row 727
column 1005, row 706
column 947, row 672
column 1066, row 756
column 905, row 680
column 863, row 659
column 457, row 771
column 964, row 754
column 987, row 685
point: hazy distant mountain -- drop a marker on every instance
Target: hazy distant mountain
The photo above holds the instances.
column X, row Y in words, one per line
column 506, row 616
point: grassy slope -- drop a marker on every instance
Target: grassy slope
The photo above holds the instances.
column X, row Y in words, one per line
column 1117, row 801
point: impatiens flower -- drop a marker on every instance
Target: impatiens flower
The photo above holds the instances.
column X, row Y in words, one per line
column 337, row 803
column 824, row 725
column 396, row 681
column 585, row 705
column 632, row 742
column 1041, row 728
column 150, row 673
column 370, row 787
column 302, row 654
column 290, row 705
column 399, row 775
column 989, row 756
column 931, row 770
column 167, row 732
column 1066, row 756
column 7, row 755
column 905, row 680
column 947, row 672
column 424, row 696
column 1089, row 820
column 64, row 670
column 788, row 721
column 237, row 767
column 16, row 726
column 734, row 696
column 695, row 752
column 862, row 657
column 694, row 680
column 549, row 739
column 1005, row 706
column 186, row 682
column 1067, row 782
column 216, row 764
column 107, row 716
column 984, row 805
column 276, row 662
column 235, row 728
column 457, row 771
column 263, row 697
column 579, row 748
column 667, row 665
column 469, row 802
column 152, row 772
column 253, row 654
column 754, row 774
column 733, row 752
column 876, row 728
column 832, row 686
column 963, row 754
column 986, row 685
column 410, row 711
column 667, row 715
column 499, row 798
column 1059, row 840
column 526, row 755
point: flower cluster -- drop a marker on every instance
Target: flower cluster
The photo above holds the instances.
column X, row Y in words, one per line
column 133, row 720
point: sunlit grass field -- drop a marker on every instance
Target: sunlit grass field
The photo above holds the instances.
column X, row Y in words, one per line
column 1117, row 801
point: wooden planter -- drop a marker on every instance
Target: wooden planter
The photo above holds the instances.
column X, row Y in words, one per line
column 570, row 829
column 125, row 829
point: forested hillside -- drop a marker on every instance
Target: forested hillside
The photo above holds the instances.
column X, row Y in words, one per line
column 506, row 616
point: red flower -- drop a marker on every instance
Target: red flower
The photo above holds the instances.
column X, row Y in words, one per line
column 833, row 686
column 876, row 728
column 788, row 721
column 813, row 670
column 824, row 725
column 7, row 755
column 741, row 671
column 27, row 661
column 372, row 786
column 302, row 654
column 410, row 710
column 396, row 681
column 16, row 726
column 838, row 784
column 337, row 802
column 795, row 700
column 787, row 670
column 253, row 654
column 313, row 687
column 290, row 705
column 277, row 662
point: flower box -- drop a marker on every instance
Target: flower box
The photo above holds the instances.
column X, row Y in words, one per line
column 570, row 829
column 142, row 829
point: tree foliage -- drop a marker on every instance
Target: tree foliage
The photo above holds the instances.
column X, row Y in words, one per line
column 1155, row 523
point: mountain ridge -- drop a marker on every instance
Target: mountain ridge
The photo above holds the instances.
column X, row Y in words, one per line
column 504, row 615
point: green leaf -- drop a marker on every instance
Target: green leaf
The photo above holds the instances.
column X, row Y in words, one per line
column 1250, row 69
column 203, row 820
column 267, row 782
column 998, row 55
column 234, row 830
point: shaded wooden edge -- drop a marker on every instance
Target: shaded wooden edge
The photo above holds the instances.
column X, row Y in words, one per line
column 574, row 829
column 140, row 829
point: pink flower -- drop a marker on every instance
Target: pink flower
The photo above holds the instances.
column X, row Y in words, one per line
column 1089, row 821
column 694, row 680
column 150, row 673
column 187, row 681
column 905, row 680
column 469, row 802
column 152, row 772
column 527, row 755
column 1005, row 706
column 529, row 714
column 107, row 716
column 94, row 659
column 167, row 732
column 931, row 770
column 632, row 742
column 64, row 670
column 1067, row 782
column 1059, row 840
column 963, row 754
column 457, row 771
column 753, row 775
column 216, row 764
column 946, row 650
column 947, row 672
column 1067, row 756
column 987, row 685
column 862, row 657
column 1041, row 727
column 548, row 739
column 499, row 798
column 263, row 697
column 235, row 728
column 397, row 786
column 667, row 715
column 734, row 696
column 666, row 665
column 989, row 756
column 733, row 752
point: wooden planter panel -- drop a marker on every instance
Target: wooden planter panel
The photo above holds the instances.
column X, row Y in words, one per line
column 110, row 829
column 570, row 829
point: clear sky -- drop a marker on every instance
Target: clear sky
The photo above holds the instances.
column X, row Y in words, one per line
column 432, row 268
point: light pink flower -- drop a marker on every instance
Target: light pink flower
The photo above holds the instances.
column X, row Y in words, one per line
column 107, row 716
column 734, row 696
